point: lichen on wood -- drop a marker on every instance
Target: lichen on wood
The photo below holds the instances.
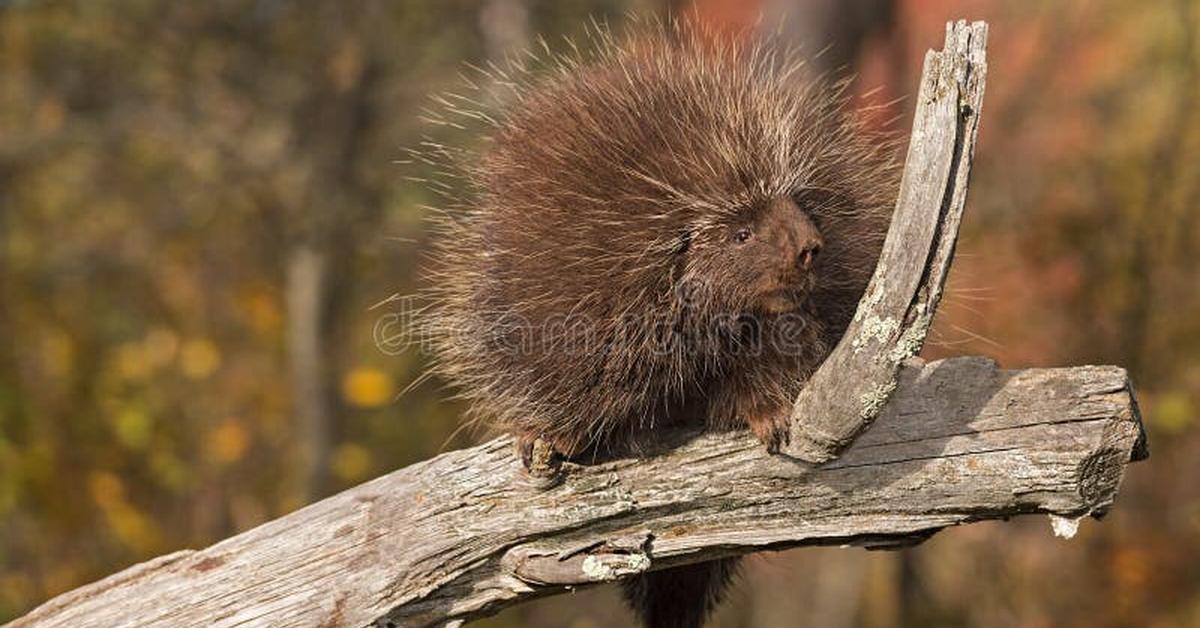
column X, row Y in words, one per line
column 851, row 387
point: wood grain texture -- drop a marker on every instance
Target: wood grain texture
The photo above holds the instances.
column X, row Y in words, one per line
column 850, row 388
column 464, row 534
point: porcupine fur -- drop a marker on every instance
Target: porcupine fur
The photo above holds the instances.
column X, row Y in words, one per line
column 596, row 287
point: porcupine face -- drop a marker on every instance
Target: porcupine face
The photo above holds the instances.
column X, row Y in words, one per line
column 662, row 186
column 761, row 259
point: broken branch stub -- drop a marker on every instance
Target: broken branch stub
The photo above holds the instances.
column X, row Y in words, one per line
column 854, row 383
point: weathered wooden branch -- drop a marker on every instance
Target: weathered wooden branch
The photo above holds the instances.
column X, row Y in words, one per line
column 854, row 382
column 468, row 533
column 461, row 535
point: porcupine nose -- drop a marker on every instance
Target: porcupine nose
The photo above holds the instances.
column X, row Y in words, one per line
column 808, row 252
column 806, row 238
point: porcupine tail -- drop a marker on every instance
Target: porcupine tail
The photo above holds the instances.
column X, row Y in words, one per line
column 680, row 597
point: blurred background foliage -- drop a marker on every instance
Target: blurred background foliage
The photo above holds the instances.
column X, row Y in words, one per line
column 201, row 202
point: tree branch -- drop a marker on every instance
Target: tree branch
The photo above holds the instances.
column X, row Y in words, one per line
column 851, row 387
column 463, row 535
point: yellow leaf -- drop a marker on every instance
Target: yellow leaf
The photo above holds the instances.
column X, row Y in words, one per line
column 199, row 358
column 1172, row 412
column 58, row 354
column 133, row 528
column 367, row 387
column 106, row 488
column 130, row 362
column 228, row 442
column 351, row 462
column 169, row 470
column 160, row 346
column 133, row 428
column 261, row 310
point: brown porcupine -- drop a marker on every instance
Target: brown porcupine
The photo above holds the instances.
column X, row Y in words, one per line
column 671, row 232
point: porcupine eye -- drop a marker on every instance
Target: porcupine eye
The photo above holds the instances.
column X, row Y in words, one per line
column 742, row 235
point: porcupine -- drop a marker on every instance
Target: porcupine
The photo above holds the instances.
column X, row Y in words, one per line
column 672, row 232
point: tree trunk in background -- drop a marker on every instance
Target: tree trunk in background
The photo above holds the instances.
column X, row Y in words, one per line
column 503, row 27
column 8, row 355
column 330, row 222
column 306, row 289
column 832, row 34
column 837, row 29
column 503, row 31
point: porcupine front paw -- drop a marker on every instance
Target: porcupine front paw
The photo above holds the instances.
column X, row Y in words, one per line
column 771, row 427
column 541, row 456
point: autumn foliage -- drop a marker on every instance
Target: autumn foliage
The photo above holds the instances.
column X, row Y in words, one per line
column 168, row 169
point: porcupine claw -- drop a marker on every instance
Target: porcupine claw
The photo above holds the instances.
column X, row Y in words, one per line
column 541, row 460
column 771, row 428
